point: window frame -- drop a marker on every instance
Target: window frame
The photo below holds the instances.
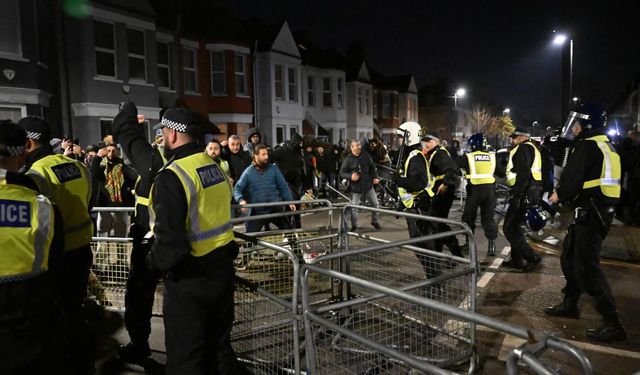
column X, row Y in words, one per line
column 214, row 71
column 283, row 94
column 97, row 49
column 18, row 55
column 243, row 74
column 131, row 55
column 326, row 91
column 311, row 94
column 166, row 66
column 193, row 69
column 292, row 88
column 340, row 92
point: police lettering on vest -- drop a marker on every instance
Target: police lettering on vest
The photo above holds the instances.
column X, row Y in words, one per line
column 66, row 172
column 210, row 175
column 15, row 214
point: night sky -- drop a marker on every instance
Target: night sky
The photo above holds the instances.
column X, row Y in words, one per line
column 494, row 49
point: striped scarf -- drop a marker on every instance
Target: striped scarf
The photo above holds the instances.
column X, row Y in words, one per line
column 114, row 179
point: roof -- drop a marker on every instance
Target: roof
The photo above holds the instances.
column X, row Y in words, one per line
column 400, row 83
column 139, row 7
column 314, row 55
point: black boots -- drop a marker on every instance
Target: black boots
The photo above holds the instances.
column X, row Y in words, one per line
column 134, row 353
column 491, row 251
column 567, row 309
column 611, row 331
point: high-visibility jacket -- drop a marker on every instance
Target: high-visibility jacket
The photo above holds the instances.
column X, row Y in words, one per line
column 609, row 181
column 482, row 166
column 438, row 149
column 26, row 233
column 408, row 198
column 66, row 182
column 536, row 166
column 208, row 195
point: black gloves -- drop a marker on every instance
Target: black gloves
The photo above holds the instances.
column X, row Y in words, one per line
column 128, row 114
column 397, row 179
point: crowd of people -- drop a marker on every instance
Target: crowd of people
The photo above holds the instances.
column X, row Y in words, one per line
column 183, row 187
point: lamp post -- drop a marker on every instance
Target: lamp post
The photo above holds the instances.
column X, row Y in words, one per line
column 567, row 63
column 461, row 92
column 534, row 126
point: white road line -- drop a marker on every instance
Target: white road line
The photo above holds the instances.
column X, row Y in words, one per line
column 511, row 342
column 486, row 277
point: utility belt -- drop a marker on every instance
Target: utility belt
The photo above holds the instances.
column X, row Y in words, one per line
column 196, row 267
column 581, row 215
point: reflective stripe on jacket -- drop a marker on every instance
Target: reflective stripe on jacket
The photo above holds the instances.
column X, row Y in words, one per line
column 536, row 166
column 610, row 175
column 408, row 198
column 482, row 166
column 26, row 233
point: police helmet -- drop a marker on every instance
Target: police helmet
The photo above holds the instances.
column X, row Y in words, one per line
column 535, row 218
column 411, row 132
column 590, row 116
column 477, row 142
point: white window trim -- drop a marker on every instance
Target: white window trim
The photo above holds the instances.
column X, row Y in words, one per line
column 194, row 69
column 22, row 108
column 168, row 64
column 295, row 74
column 135, row 55
column 223, row 71
column 367, row 101
column 162, row 37
column 228, row 47
column 329, row 91
column 122, row 18
column 102, row 49
column 282, row 76
column 18, row 55
column 340, row 93
column 311, row 90
column 360, row 99
column 243, row 74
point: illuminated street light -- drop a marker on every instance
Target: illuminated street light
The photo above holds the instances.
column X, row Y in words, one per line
column 506, row 111
column 460, row 93
column 567, row 87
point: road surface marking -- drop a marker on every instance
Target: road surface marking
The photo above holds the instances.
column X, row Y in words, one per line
column 486, row 277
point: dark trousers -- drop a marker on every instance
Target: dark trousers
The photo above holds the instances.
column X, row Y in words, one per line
column 580, row 261
column 283, row 222
column 139, row 295
column 484, row 197
column 419, row 228
column 512, row 229
column 72, row 290
column 441, row 206
column 198, row 317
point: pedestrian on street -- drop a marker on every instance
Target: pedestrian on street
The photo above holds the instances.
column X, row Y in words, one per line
column 32, row 243
column 67, row 184
column 591, row 183
column 479, row 166
column 194, row 245
column 141, row 281
column 444, row 172
column 524, row 176
column 359, row 170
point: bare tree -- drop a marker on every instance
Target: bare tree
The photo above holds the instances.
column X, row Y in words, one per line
column 480, row 118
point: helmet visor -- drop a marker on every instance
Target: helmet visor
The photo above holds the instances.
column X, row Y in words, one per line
column 573, row 126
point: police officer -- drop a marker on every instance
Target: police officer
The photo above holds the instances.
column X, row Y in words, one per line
column 141, row 281
column 66, row 182
column 194, row 245
column 479, row 166
column 444, row 172
column 415, row 192
column 591, row 183
column 30, row 238
column 524, row 176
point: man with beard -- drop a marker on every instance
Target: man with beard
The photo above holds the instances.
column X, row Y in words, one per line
column 263, row 183
column 238, row 159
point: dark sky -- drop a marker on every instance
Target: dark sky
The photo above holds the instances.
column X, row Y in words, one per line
column 496, row 49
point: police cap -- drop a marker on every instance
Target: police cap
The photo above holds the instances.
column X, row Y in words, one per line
column 12, row 138
column 36, row 128
column 520, row 131
column 428, row 137
column 186, row 121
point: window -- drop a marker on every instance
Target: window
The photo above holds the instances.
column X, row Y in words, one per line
column 311, row 95
column 386, row 109
column 279, row 82
column 293, row 129
column 217, row 73
column 375, row 104
column 340, row 93
column 394, row 105
column 135, row 51
column 293, row 89
column 280, row 134
column 164, row 64
column 104, row 41
column 190, row 70
column 326, row 92
column 12, row 113
column 360, row 101
column 11, row 42
column 366, row 101
column 241, row 77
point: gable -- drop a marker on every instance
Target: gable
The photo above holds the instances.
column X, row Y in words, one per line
column 412, row 86
column 364, row 72
column 284, row 42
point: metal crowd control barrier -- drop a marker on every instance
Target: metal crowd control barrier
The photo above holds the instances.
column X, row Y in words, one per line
column 323, row 300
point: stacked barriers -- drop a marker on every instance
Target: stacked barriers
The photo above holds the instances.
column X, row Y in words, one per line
column 323, row 300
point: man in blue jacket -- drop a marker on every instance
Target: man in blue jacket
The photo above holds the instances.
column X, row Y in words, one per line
column 263, row 182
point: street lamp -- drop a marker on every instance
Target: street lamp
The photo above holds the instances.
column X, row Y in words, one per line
column 533, row 128
column 506, row 111
column 567, row 85
column 460, row 93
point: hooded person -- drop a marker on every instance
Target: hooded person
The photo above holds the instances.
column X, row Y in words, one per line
column 254, row 137
column 290, row 159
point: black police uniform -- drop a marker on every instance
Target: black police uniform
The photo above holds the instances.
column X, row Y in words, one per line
column 445, row 171
column 483, row 196
column 31, row 335
column 141, row 281
column 417, row 179
column 525, row 189
column 580, row 259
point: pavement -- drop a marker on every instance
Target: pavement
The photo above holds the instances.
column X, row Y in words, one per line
column 513, row 297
